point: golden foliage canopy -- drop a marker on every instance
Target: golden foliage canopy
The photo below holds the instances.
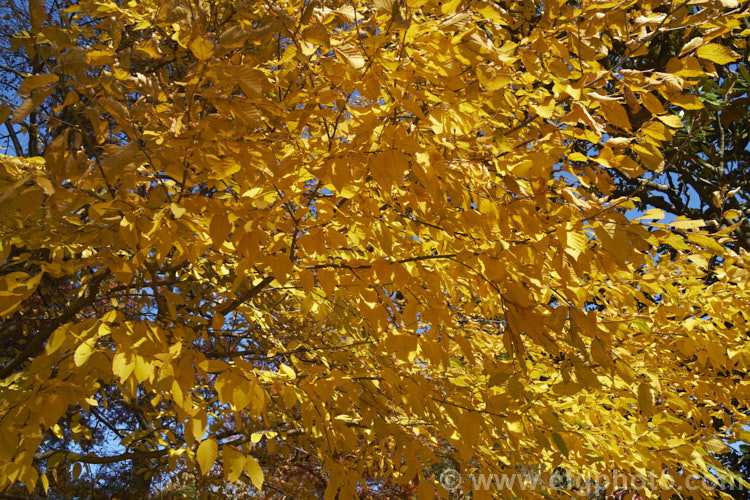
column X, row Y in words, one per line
column 365, row 233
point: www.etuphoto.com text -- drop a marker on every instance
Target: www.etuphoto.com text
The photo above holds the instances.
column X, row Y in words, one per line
column 454, row 481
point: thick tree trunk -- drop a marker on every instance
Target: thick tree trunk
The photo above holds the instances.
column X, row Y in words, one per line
column 140, row 479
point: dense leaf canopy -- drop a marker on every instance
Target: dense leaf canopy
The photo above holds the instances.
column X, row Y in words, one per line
column 324, row 248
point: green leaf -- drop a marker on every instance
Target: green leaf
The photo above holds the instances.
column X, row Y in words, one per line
column 560, row 443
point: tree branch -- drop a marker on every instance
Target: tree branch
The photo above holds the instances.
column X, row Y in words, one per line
column 93, row 459
column 244, row 297
column 14, row 138
column 36, row 344
column 400, row 261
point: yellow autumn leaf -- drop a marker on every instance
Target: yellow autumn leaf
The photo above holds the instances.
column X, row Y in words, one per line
column 706, row 242
column 616, row 114
column 716, row 53
column 37, row 13
column 690, row 45
column 351, row 55
column 9, row 302
column 233, row 462
column 316, row 34
column 100, row 57
column 207, row 453
column 202, row 48
column 686, row 101
column 55, row 340
column 287, row 371
column 671, row 120
column 123, row 365
column 545, row 111
column 716, row 446
column 177, row 210
column 142, row 369
column 684, row 223
column 450, row 6
column 233, row 37
column 652, row 213
column 732, row 214
column 576, row 156
column 289, row 54
column 645, row 400
column 254, row 471
column 35, row 81
column 82, row 353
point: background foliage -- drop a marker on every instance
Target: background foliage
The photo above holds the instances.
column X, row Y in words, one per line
column 330, row 248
